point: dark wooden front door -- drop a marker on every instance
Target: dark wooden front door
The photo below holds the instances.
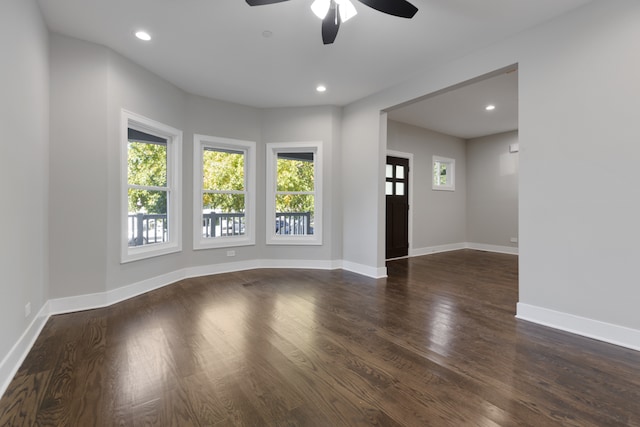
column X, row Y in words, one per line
column 397, row 195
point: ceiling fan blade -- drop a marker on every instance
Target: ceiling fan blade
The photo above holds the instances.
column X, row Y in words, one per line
column 401, row 8
column 330, row 26
column 263, row 2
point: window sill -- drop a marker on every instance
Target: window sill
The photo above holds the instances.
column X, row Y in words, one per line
column 295, row 241
column 222, row 242
column 151, row 251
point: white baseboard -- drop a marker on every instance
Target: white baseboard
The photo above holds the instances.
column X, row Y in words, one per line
column 365, row 270
column 437, row 249
column 12, row 361
column 77, row 303
column 511, row 250
column 104, row 299
column 601, row 331
column 305, row 264
column 125, row 292
column 227, row 267
column 230, row 267
column 464, row 245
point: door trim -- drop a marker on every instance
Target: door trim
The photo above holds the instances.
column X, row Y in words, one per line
column 408, row 156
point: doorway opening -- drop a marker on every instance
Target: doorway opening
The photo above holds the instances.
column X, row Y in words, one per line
column 474, row 126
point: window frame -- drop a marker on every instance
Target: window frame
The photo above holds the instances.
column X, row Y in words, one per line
column 272, row 150
column 173, row 136
column 249, row 149
column 451, row 174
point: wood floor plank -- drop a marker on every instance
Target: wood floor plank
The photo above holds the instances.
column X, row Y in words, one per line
column 436, row 343
column 27, row 391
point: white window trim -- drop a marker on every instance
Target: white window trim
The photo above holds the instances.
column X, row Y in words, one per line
column 249, row 148
column 451, row 174
column 293, row 147
column 174, row 187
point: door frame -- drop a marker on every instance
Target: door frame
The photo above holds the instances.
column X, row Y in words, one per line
column 408, row 156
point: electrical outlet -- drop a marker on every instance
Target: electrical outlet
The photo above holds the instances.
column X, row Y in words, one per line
column 27, row 309
column 231, row 253
column 514, row 240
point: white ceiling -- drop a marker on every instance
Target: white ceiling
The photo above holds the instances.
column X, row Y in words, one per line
column 461, row 112
column 215, row 48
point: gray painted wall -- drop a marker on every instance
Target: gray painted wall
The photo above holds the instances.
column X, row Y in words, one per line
column 439, row 217
column 78, row 175
column 24, row 167
column 579, row 104
column 364, row 144
column 492, row 190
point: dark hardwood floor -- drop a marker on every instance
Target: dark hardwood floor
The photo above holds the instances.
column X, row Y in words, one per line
column 435, row 344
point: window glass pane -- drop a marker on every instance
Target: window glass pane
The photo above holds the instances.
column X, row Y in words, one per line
column 399, row 172
column 389, row 173
column 147, row 217
column 443, row 173
column 388, row 189
column 295, row 172
column 223, row 215
column 227, row 203
column 294, row 214
column 153, row 202
column 440, row 173
column 147, row 164
column 399, row 189
column 222, row 170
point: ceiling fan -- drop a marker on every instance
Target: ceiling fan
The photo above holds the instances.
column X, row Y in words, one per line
column 333, row 12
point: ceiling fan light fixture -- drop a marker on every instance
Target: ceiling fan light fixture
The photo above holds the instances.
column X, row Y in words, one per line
column 334, row 12
column 320, row 8
column 346, row 9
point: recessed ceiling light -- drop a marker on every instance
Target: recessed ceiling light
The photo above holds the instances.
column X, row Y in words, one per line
column 266, row 34
column 490, row 107
column 143, row 35
column 321, row 88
